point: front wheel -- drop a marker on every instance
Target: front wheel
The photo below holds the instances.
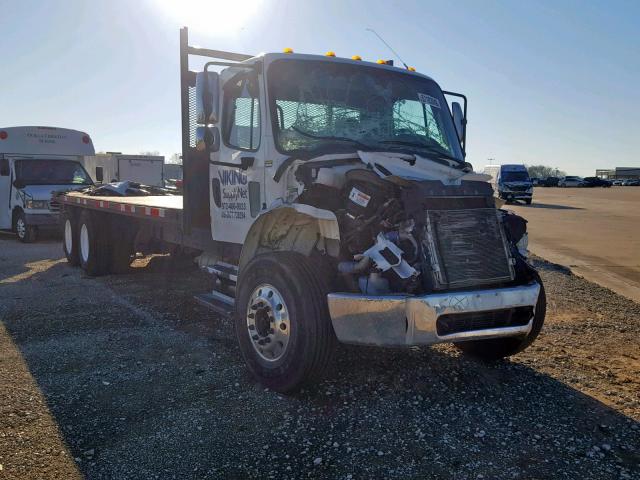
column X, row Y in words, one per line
column 26, row 233
column 497, row 348
column 282, row 321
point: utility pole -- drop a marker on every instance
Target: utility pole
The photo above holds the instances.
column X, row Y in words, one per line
column 491, row 160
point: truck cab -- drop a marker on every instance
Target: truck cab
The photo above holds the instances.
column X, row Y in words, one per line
column 36, row 162
column 511, row 182
column 346, row 186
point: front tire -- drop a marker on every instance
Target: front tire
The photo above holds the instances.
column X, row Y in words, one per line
column 497, row 348
column 282, row 321
column 26, row 233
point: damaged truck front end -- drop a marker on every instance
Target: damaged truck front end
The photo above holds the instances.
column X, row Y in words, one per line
column 425, row 261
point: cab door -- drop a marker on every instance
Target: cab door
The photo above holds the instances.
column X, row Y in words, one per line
column 5, row 193
column 237, row 168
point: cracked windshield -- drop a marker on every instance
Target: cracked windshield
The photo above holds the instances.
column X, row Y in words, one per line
column 323, row 107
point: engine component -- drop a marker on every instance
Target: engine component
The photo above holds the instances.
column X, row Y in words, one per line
column 387, row 255
column 373, row 284
column 359, row 266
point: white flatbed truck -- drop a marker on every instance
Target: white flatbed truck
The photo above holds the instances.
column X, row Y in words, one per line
column 330, row 199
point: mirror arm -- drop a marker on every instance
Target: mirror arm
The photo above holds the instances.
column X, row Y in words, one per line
column 228, row 64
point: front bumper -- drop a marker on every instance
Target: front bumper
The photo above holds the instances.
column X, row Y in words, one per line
column 43, row 219
column 401, row 320
column 507, row 195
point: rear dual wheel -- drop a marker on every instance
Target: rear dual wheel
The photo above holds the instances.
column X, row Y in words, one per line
column 70, row 239
column 92, row 244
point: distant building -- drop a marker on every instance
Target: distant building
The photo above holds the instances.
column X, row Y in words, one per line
column 619, row 173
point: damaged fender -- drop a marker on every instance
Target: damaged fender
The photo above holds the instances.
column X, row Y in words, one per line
column 292, row 227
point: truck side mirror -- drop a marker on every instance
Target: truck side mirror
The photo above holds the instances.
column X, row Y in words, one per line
column 207, row 97
column 458, row 120
column 207, row 139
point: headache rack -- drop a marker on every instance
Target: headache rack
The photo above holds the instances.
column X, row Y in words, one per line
column 195, row 164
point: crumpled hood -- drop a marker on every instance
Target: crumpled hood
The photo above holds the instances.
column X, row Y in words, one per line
column 422, row 169
column 44, row 192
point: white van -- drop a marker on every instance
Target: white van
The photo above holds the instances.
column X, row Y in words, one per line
column 34, row 163
column 511, row 182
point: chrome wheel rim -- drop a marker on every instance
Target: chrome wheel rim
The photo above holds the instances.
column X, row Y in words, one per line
column 84, row 243
column 21, row 228
column 68, row 239
column 268, row 323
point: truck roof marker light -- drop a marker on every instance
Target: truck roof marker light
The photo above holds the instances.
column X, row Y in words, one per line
column 356, row 57
column 330, row 53
column 85, row 139
column 381, row 62
column 287, row 50
column 411, row 69
column 3, row 135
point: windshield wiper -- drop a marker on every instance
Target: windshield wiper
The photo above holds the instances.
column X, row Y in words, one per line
column 331, row 138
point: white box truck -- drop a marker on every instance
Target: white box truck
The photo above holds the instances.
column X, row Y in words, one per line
column 116, row 167
column 35, row 162
column 330, row 199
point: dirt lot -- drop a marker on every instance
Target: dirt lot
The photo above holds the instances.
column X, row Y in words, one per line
column 595, row 231
column 126, row 377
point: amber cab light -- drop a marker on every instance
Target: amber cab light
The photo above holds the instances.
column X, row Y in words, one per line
column 3, row 135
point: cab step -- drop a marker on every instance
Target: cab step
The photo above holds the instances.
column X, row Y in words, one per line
column 218, row 302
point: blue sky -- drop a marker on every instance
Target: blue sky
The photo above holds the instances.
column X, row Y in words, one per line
column 551, row 82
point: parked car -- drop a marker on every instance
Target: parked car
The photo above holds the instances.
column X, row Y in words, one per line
column 570, row 181
column 617, row 183
column 535, row 181
column 596, row 182
column 631, row 182
column 549, row 182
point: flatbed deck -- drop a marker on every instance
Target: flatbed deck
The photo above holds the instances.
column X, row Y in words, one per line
column 165, row 207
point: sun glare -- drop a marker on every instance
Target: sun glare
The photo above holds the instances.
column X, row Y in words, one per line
column 211, row 16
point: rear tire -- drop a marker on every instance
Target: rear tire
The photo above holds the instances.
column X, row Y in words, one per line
column 93, row 245
column 70, row 239
column 282, row 321
column 26, row 233
column 528, row 201
column 497, row 348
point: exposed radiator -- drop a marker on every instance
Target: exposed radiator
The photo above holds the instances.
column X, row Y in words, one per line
column 466, row 248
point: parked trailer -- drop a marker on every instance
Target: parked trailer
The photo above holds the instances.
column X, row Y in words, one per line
column 145, row 169
column 315, row 231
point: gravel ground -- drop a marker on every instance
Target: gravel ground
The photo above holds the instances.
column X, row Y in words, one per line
column 126, row 377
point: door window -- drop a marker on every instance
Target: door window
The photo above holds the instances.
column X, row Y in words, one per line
column 241, row 127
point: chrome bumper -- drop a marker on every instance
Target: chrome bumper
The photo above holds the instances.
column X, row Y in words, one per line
column 397, row 320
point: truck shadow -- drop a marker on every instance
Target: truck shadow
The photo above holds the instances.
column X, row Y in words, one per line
column 551, row 206
column 138, row 393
